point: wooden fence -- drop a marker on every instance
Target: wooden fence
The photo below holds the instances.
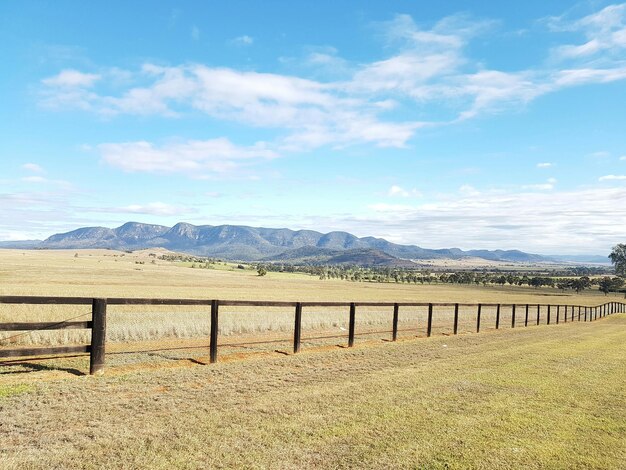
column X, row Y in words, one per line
column 97, row 324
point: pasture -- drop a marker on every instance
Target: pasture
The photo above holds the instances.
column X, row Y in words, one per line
column 107, row 273
column 536, row 397
column 548, row 397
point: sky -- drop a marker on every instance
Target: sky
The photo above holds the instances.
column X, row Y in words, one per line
column 478, row 125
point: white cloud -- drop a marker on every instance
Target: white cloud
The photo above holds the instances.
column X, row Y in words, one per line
column 612, row 178
column 244, row 40
column 428, row 66
column 40, row 180
column 469, row 190
column 37, row 213
column 33, row 167
column 547, row 186
column 397, row 191
column 34, row 179
column 545, row 165
column 605, row 31
column 587, row 75
column 154, row 208
column 623, row 158
column 71, row 79
column 556, row 222
column 196, row 158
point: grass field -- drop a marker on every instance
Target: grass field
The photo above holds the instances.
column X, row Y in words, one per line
column 106, row 273
column 540, row 397
column 548, row 397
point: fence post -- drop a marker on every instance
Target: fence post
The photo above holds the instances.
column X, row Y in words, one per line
column 396, row 309
column 513, row 316
column 478, row 318
column 456, row 318
column 565, row 313
column 538, row 314
column 498, row 316
column 352, row 323
column 526, row 318
column 429, row 327
column 297, row 328
column 585, row 313
column 558, row 313
column 98, row 336
column 214, row 324
column 548, row 314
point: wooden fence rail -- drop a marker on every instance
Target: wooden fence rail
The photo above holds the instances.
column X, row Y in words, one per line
column 97, row 324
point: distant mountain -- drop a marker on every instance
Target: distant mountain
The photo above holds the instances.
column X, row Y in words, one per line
column 508, row 255
column 593, row 259
column 244, row 243
column 21, row 244
column 356, row 256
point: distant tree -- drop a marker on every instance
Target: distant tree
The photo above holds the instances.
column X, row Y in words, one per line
column 261, row 271
column 608, row 284
column 563, row 285
column 581, row 283
column 618, row 258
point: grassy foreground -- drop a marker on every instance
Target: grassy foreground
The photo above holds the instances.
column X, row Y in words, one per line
column 546, row 397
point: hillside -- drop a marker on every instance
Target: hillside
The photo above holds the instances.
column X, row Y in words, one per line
column 235, row 242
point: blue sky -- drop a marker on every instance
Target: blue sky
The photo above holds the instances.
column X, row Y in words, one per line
column 469, row 124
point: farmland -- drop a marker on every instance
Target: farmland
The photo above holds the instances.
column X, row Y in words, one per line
column 549, row 397
column 107, row 273
column 537, row 397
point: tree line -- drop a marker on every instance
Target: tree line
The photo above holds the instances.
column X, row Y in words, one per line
column 561, row 279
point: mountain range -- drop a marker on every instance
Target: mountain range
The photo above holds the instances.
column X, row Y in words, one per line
column 244, row 243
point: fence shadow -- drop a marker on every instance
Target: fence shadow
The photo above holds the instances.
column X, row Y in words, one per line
column 29, row 366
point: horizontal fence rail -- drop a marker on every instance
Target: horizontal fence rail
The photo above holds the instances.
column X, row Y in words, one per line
column 553, row 314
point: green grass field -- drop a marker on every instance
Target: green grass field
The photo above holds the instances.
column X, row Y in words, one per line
column 547, row 397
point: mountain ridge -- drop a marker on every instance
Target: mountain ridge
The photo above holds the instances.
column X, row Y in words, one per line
column 245, row 243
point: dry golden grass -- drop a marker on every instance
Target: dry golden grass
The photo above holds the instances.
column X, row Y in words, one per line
column 105, row 273
column 541, row 397
column 547, row 397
